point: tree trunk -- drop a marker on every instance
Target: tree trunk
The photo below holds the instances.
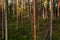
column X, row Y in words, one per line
column 17, row 13
column 16, row 19
column 59, row 8
column 5, row 12
column 2, row 4
column 51, row 12
column 13, row 8
column 43, row 13
column 28, row 8
column 22, row 13
column 34, row 11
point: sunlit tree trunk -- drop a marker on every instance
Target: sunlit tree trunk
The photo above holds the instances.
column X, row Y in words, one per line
column 34, row 12
column 51, row 12
column 22, row 4
column 43, row 13
column 43, row 9
column 4, row 19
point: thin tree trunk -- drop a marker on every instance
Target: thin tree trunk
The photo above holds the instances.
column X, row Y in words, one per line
column 43, row 10
column 58, row 8
column 22, row 4
column 17, row 13
column 22, row 13
column 16, row 19
column 31, row 18
column 34, row 11
column 2, row 19
column 28, row 8
column 6, row 11
column 58, row 11
column 13, row 8
column 51, row 12
column 43, row 13
column 38, row 24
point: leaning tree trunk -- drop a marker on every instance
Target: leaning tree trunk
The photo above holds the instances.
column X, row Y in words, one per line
column 34, row 12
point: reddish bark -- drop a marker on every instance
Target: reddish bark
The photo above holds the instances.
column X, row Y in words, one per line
column 34, row 11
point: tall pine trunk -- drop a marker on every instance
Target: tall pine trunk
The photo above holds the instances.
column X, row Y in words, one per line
column 51, row 12
column 17, row 13
column 34, row 12
column 16, row 19
column 6, row 11
column 43, row 15
column 3, row 21
column 22, row 13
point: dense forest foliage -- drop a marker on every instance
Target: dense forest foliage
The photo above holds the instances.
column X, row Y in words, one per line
column 17, row 20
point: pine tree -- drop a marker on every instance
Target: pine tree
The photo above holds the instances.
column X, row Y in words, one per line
column 5, row 12
column 17, row 13
column 51, row 12
column 34, row 12
column 16, row 19
column 3, row 21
